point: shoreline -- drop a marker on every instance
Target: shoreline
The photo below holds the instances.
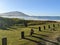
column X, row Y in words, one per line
column 33, row 19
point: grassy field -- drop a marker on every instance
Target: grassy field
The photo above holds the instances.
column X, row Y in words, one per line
column 38, row 38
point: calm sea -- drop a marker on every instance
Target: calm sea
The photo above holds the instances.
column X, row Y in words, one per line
column 48, row 17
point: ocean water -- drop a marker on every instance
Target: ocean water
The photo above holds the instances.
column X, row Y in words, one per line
column 57, row 18
column 48, row 17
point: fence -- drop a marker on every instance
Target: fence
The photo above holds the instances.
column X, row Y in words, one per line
column 4, row 40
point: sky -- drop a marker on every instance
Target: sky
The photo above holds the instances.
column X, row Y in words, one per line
column 32, row 7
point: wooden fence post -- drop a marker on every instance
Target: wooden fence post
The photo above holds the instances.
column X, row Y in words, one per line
column 32, row 32
column 4, row 41
column 44, row 28
column 22, row 35
column 49, row 26
column 58, row 25
column 39, row 28
column 53, row 25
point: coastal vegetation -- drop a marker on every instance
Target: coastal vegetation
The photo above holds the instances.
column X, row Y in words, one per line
column 11, row 28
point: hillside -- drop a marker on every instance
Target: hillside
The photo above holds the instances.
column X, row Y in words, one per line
column 8, row 22
column 16, row 14
column 13, row 13
column 12, row 28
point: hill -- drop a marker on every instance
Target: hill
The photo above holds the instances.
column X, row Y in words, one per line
column 13, row 13
column 11, row 28
column 7, row 22
column 16, row 14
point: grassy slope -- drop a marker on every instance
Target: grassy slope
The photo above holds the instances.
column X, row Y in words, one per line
column 14, row 34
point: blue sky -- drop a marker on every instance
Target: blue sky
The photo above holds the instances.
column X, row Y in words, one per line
column 32, row 7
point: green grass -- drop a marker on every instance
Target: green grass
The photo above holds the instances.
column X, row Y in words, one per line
column 14, row 34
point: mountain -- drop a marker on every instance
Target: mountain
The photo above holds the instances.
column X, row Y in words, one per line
column 20, row 15
column 13, row 13
column 17, row 14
